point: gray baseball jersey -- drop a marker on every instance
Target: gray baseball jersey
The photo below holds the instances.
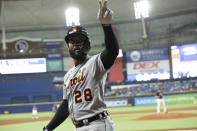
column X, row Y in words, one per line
column 84, row 88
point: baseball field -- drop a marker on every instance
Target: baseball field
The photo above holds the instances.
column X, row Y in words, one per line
column 142, row 118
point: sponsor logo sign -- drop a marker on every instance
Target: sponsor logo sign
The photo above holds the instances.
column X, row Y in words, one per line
column 117, row 102
column 148, row 64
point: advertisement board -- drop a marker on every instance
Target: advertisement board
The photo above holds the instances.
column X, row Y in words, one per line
column 169, row 99
column 184, row 61
column 16, row 66
column 144, row 101
column 117, row 102
column 148, row 64
column 54, row 65
column 53, row 45
column 54, row 62
column 180, row 99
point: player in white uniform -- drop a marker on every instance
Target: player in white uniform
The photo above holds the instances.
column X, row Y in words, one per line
column 83, row 92
column 35, row 112
column 160, row 100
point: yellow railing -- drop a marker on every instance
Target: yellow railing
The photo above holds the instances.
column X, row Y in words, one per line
column 27, row 104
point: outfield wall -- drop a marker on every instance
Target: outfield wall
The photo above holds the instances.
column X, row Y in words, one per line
column 110, row 102
column 29, row 88
column 19, row 92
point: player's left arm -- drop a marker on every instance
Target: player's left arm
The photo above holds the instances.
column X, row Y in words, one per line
column 108, row 56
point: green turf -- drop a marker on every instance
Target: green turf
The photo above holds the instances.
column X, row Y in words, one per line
column 124, row 122
column 23, row 115
column 37, row 126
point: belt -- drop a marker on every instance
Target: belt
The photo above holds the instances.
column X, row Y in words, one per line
column 91, row 119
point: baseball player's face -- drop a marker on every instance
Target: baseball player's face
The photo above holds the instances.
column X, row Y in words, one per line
column 75, row 46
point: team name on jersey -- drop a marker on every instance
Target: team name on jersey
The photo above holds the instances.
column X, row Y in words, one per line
column 80, row 77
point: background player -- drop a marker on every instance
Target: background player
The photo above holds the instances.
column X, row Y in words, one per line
column 195, row 99
column 35, row 112
column 54, row 109
column 84, row 83
column 160, row 100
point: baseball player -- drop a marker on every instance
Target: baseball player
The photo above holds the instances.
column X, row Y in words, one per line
column 195, row 99
column 160, row 100
column 35, row 112
column 54, row 109
column 83, row 92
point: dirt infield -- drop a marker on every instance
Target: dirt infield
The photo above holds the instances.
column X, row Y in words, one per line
column 24, row 120
column 151, row 111
column 148, row 117
column 164, row 116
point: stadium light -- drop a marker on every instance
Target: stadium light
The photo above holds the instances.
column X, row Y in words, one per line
column 72, row 16
column 141, row 8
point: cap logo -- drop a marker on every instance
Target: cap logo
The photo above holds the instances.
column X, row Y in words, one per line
column 74, row 29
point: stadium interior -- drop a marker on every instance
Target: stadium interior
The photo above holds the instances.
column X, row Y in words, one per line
column 159, row 51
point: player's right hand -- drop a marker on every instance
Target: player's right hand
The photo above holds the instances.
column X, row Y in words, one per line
column 104, row 13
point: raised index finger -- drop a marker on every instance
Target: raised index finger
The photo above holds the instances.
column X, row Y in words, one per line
column 105, row 4
column 100, row 5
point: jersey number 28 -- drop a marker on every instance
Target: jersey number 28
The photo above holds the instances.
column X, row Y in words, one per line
column 87, row 94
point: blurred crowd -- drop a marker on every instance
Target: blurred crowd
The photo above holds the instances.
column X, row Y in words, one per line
column 167, row 87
